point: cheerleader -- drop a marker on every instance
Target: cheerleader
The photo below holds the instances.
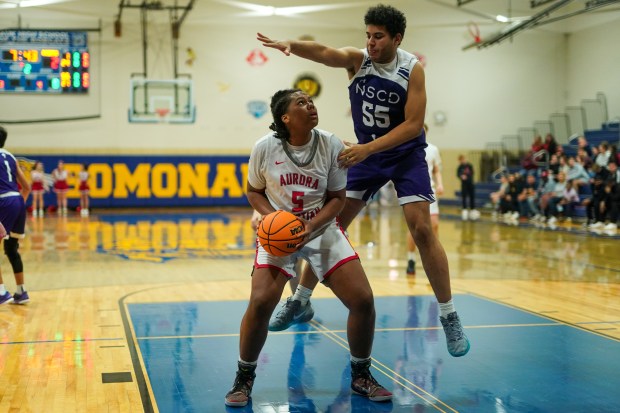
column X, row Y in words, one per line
column 84, row 191
column 38, row 188
column 61, row 187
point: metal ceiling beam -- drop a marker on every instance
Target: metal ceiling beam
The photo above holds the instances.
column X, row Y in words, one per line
column 590, row 6
column 518, row 27
column 536, row 3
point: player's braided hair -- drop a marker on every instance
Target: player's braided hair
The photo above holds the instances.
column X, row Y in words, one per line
column 389, row 17
column 279, row 104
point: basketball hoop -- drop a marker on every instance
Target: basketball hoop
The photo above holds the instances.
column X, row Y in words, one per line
column 162, row 113
column 474, row 31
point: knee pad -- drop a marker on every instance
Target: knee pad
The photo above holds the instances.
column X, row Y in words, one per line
column 11, row 246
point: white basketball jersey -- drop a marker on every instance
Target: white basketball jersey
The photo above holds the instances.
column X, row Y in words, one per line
column 433, row 159
column 290, row 187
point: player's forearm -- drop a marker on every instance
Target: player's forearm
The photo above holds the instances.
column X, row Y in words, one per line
column 318, row 53
column 259, row 202
column 330, row 210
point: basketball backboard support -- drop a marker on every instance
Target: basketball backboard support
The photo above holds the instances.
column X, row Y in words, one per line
column 161, row 100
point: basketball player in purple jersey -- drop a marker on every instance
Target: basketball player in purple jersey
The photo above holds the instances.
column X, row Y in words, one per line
column 13, row 218
column 388, row 101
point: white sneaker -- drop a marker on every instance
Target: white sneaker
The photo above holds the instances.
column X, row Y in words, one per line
column 474, row 214
column 611, row 227
column 596, row 225
column 552, row 221
column 35, row 213
column 41, row 213
column 464, row 215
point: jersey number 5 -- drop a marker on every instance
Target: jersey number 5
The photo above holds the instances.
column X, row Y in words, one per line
column 376, row 115
column 298, row 201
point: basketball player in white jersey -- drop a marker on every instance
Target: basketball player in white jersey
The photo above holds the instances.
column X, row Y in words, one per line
column 433, row 160
column 295, row 168
column 388, row 101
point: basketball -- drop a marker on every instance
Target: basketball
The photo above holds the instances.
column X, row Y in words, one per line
column 278, row 233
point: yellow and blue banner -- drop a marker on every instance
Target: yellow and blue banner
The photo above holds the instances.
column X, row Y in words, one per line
column 160, row 181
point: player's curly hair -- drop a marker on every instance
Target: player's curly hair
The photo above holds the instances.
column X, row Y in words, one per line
column 3, row 135
column 391, row 18
column 279, row 104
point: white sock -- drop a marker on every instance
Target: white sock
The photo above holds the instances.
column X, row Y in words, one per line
column 20, row 289
column 446, row 308
column 302, row 294
column 248, row 363
column 359, row 360
column 411, row 255
column 2, row 289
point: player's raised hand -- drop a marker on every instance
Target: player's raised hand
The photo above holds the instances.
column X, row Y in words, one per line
column 283, row 46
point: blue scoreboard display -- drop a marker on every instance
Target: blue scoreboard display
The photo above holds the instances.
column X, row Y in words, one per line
column 44, row 61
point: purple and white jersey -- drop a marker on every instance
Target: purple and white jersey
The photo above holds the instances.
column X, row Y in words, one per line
column 378, row 95
column 8, row 174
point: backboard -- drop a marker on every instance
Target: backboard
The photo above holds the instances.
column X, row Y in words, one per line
column 161, row 100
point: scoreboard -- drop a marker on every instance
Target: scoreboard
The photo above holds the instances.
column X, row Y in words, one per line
column 44, row 61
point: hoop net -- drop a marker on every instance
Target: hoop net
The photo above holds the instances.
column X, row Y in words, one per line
column 162, row 114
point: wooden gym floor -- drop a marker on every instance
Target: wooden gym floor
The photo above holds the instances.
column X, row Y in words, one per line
column 137, row 311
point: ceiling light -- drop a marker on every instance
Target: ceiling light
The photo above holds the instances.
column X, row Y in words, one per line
column 501, row 18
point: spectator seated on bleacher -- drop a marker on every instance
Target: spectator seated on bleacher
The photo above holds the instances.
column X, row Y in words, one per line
column 545, row 192
column 528, row 199
column 577, row 173
column 528, row 164
column 497, row 195
column 570, row 199
column 509, row 203
column 554, row 197
column 550, row 144
column 554, row 164
column 615, row 155
column 582, row 143
column 604, row 154
column 584, row 159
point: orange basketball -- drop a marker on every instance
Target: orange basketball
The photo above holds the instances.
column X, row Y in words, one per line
column 278, row 233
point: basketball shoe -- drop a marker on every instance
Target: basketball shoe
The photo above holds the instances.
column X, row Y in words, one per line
column 6, row 298
column 457, row 341
column 21, row 298
column 364, row 384
column 239, row 395
column 291, row 313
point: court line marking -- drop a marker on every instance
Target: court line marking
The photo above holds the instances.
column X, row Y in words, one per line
column 218, row 335
column 384, row 368
column 76, row 340
column 565, row 323
column 147, row 396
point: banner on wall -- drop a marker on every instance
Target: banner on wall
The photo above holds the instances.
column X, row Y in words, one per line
column 159, row 181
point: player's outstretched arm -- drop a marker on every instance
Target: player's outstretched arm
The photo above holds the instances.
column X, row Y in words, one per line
column 349, row 58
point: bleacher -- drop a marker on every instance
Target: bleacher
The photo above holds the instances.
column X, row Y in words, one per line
column 589, row 120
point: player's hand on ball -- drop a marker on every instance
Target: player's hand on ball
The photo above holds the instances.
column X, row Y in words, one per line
column 305, row 235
